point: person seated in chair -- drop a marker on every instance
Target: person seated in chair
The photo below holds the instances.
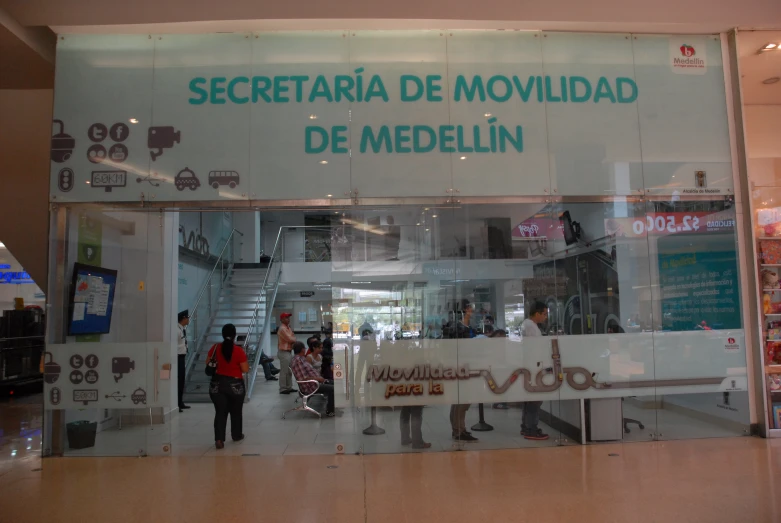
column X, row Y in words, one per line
column 303, row 371
column 269, row 370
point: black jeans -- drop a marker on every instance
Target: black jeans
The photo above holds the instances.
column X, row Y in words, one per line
column 328, row 390
column 268, row 369
column 227, row 394
column 182, row 361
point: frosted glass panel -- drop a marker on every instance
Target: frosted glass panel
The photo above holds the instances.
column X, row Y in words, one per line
column 498, row 62
column 282, row 164
column 199, row 137
column 593, row 131
column 390, row 55
column 101, row 85
column 683, row 114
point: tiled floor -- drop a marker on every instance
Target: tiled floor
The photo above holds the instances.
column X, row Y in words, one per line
column 262, row 479
column 720, row 480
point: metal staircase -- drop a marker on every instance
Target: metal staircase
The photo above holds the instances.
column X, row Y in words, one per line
column 242, row 302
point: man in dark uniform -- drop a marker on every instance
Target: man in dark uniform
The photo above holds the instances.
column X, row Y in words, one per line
column 184, row 320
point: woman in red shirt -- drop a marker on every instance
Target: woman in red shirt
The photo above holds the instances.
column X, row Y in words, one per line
column 226, row 389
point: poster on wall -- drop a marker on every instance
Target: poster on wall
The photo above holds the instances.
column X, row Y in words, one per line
column 699, row 290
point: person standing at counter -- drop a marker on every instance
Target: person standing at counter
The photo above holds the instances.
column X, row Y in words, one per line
column 285, row 340
column 458, row 412
column 184, row 320
column 531, row 409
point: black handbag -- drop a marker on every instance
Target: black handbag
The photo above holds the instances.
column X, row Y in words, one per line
column 211, row 365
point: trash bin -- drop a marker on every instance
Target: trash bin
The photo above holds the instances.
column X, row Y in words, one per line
column 81, row 434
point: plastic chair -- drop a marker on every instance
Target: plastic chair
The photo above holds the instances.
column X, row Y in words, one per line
column 305, row 397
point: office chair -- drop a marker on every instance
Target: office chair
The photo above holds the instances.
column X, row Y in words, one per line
column 627, row 421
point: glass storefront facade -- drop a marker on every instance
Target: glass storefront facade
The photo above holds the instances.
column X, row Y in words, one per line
column 457, row 180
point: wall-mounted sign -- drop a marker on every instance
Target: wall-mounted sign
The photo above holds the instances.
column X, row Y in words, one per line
column 14, row 277
column 487, row 113
column 665, row 223
column 307, row 294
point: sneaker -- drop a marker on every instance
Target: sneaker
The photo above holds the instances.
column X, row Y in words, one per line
column 239, row 438
column 464, row 436
column 421, row 445
column 537, row 435
column 272, row 378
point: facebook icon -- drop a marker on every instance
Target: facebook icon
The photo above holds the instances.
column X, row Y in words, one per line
column 119, row 132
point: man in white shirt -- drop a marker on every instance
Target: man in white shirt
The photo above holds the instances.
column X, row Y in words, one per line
column 538, row 314
column 184, row 321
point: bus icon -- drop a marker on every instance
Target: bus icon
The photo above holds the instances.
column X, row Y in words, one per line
column 229, row 178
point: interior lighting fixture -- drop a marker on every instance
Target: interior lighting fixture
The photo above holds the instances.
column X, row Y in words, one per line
column 133, row 120
column 769, row 47
column 323, row 162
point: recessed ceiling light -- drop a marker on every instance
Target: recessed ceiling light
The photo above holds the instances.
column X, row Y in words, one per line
column 417, row 223
column 133, row 120
column 330, row 195
column 313, row 117
column 87, row 182
column 487, row 115
column 426, row 230
column 769, row 47
column 425, row 208
column 323, row 162
column 772, row 80
column 433, row 215
column 463, row 157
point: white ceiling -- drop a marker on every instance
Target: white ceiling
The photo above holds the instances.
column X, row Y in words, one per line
column 756, row 67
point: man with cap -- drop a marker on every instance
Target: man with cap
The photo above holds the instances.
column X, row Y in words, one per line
column 285, row 341
column 184, row 321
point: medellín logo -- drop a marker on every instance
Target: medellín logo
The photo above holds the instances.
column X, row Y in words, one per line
column 687, row 50
column 732, row 345
column 688, row 60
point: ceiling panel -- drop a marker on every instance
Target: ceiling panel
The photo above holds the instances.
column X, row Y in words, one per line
column 757, row 68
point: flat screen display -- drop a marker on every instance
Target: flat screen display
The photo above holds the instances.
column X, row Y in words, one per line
column 91, row 300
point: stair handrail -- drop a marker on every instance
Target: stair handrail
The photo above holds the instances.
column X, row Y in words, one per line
column 253, row 373
column 278, row 252
column 191, row 355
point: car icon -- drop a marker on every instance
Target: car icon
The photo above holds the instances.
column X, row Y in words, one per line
column 186, row 179
column 138, row 396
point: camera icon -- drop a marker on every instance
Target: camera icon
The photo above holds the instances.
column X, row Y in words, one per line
column 161, row 137
column 121, row 366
